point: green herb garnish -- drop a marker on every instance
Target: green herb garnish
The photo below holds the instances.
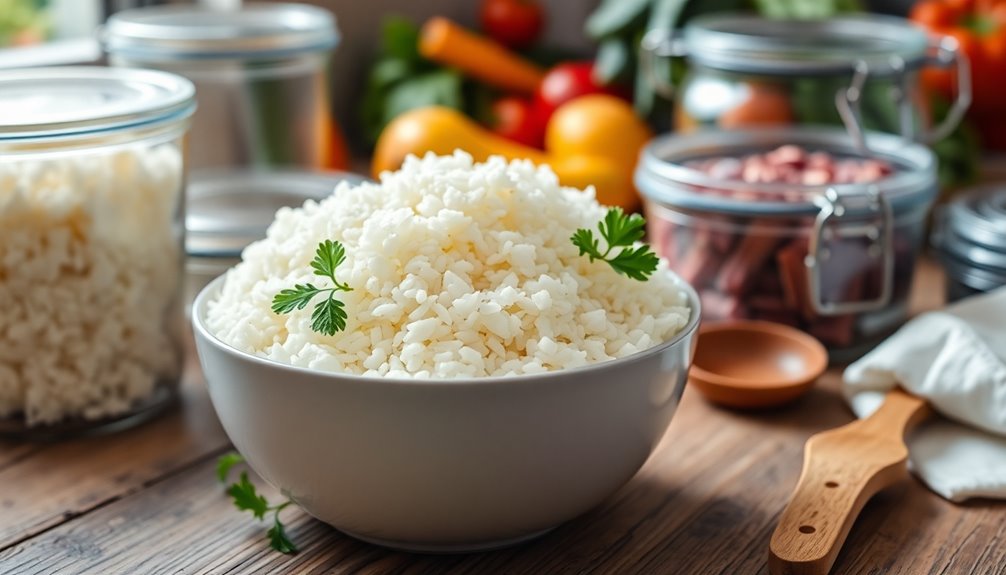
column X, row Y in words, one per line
column 329, row 316
column 247, row 498
column 619, row 230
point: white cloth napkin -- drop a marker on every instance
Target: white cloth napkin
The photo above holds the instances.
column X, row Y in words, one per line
column 956, row 359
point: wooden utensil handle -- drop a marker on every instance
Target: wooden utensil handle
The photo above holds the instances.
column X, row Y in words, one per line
column 842, row 469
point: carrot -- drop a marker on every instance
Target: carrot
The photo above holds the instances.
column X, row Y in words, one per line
column 447, row 43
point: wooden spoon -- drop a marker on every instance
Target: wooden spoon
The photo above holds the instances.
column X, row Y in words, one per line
column 842, row 469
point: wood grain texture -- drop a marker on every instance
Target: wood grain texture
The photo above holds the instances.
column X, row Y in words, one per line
column 706, row 503
column 42, row 485
column 842, row 469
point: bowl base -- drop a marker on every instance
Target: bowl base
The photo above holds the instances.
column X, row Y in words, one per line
column 449, row 548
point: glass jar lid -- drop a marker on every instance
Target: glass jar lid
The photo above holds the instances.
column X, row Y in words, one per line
column 255, row 30
column 745, row 43
column 228, row 210
column 47, row 102
column 665, row 174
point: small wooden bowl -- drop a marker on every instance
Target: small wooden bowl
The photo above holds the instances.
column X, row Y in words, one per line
column 755, row 364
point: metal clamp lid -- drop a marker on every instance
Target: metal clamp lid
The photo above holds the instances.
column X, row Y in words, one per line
column 944, row 51
column 828, row 226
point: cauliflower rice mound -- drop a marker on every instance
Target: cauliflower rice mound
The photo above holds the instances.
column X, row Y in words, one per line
column 458, row 269
column 89, row 271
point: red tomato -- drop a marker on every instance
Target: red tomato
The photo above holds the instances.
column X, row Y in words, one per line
column 565, row 82
column 513, row 23
column 513, row 119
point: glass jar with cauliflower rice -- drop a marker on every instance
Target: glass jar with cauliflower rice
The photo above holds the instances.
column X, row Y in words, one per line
column 92, row 173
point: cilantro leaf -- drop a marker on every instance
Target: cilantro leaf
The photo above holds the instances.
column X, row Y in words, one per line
column 638, row 264
column 329, row 316
column 327, row 257
column 619, row 230
column 278, row 539
column 246, row 498
column 585, row 240
column 225, row 463
column 294, row 298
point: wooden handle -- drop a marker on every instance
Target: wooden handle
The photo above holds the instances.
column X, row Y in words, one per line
column 842, row 469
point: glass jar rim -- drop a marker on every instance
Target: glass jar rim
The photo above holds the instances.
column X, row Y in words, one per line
column 259, row 30
column 661, row 175
column 746, row 43
column 47, row 103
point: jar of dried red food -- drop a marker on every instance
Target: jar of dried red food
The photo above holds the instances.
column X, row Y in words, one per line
column 792, row 225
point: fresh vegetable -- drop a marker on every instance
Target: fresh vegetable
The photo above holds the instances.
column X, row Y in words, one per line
column 513, row 118
column 980, row 30
column 402, row 80
column 597, row 125
column 566, row 82
column 449, row 44
column 586, row 159
column 619, row 230
column 514, row 23
column 329, row 316
column 764, row 104
column 246, row 498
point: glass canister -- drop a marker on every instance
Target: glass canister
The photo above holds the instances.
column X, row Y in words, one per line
column 261, row 74
column 92, row 180
column 834, row 259
column 970, row 236
column 860, row 71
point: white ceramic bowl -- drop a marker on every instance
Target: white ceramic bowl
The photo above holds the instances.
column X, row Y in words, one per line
column 445, row 465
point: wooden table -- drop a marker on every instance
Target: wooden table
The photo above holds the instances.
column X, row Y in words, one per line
column 146, row 502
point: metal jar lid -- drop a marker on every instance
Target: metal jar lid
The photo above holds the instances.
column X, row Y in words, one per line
column 979, row 216
column 228, row 210
column 972, row 230
column 257, row 30
column 42, row 103
column 744, row 43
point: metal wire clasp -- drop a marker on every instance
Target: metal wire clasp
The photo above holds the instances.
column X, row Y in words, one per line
column 878, row 227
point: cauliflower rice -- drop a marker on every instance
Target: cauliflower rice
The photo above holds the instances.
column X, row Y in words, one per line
column 458, row 269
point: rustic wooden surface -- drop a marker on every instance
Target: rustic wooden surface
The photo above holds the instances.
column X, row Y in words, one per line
column 146, row 502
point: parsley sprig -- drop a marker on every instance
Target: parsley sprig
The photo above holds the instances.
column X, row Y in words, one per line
column 246, row 498
column 329, row 315
column 619, row 231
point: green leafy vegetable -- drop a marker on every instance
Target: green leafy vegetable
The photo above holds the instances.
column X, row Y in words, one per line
column 329, row 316
column 246, row 498
column 401, row 80
column 619, row 230
column 225, row 463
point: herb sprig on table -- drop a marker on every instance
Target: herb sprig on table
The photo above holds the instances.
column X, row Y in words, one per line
column 247, row 498
column 619, row 230
column 329, row 316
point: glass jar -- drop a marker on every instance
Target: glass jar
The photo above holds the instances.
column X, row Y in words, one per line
column 261, row 74
column 92, row 178
column 834, row 260
column 858, row 71
column 970, row 236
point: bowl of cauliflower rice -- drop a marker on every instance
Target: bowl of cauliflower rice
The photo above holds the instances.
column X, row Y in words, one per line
column 458, row 357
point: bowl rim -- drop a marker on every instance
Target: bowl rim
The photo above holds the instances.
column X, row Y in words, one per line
column 794, row 335
column 212, row 289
